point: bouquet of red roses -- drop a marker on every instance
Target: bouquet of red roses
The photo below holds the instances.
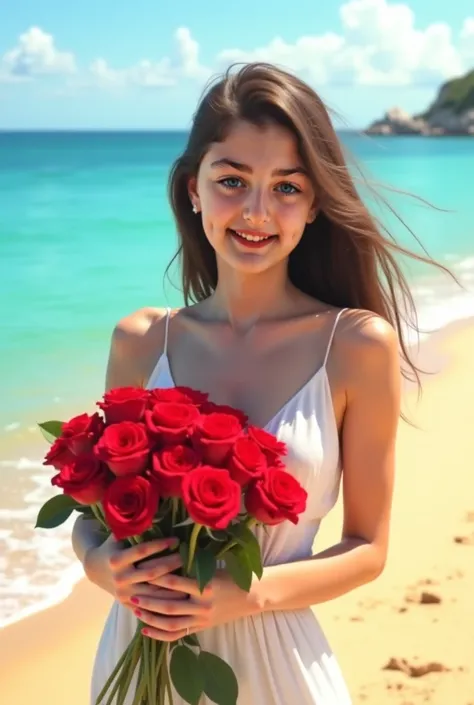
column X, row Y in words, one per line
column 163, row 463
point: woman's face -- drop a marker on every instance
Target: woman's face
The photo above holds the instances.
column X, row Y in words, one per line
column 249, row 187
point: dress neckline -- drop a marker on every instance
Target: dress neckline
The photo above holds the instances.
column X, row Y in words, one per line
column 321, row 372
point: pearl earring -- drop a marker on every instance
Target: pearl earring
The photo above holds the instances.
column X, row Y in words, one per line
column 195, row 210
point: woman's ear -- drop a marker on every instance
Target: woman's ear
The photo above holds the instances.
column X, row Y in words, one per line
column 313, row 212
column 193, row 194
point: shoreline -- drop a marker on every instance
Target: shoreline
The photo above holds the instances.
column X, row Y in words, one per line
column 431, row 553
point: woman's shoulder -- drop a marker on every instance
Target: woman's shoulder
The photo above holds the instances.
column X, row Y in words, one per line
column 136, row 343
column 365, row 329
column 370, row 342
column 137, row 331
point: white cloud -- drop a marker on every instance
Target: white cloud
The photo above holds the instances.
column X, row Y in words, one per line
column 145, row 73
column 149, row 74
column 35, row 54
column 379, row 45
column 188, row 51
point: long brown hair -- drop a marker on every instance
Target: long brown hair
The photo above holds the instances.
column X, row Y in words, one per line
column 345, row 258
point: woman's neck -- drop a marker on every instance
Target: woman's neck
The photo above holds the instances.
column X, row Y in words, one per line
column 244, row 300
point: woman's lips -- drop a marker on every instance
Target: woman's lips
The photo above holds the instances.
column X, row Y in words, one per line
column 263, row 240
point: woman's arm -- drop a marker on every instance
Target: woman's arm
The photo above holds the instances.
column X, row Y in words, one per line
column 135, row 344
column 368, row 455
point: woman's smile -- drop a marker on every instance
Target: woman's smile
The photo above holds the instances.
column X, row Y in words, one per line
column 251, row 239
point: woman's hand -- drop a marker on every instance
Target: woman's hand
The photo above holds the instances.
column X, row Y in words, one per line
column 168, row 620
column 113, row 568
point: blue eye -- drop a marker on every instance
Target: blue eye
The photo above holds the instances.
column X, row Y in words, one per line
column 288, row 189
column 231, row 182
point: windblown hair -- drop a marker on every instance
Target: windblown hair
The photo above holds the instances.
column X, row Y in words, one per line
column 346, row 257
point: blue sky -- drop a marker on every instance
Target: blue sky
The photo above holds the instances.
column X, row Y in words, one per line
column 133, row 65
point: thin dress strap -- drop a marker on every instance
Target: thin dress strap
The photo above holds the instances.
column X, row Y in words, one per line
column 332, row 335
column 167, row 323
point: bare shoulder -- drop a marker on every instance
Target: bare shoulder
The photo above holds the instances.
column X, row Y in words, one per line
column 137, row 341
column 368, row 333
column 137, row 325
column 371, row 345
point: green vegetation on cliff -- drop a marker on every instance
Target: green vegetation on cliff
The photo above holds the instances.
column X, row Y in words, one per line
column 456, row 96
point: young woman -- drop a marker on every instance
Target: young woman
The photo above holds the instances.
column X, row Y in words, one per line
column 297, row 321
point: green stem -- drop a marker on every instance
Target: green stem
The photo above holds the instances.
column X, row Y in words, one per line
column 150, row 682
column 125, row 685
column 192, row 546
column 140, row 691
column 96, row 510
column 160, row 658
column 174, row 510
column 161, row 666
column 117, row 668
column 167, row 679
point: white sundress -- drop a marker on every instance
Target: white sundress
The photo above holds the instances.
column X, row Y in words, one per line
column 280, row 657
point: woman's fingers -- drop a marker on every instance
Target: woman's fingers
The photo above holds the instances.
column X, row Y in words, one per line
column 145, row 590
column 153, row 604
column 126, row 557
column 187, row 585
column 171, row 625
column 152, row 570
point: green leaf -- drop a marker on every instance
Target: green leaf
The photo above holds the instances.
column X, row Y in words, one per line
column 220, row 683
column 205, row 565
column 184, row 553
column 190, row 640
column 238, row 564
column 51, row 430
column 247, row 539
column 55, row 511
column 217, row 534
column 186, row 674
column 186, row 522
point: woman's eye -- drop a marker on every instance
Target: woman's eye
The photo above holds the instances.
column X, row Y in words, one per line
column 231, row 182
column 287, row 188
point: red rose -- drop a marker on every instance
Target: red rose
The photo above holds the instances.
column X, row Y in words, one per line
column 82, row 432
column 211, row 408
column 169, row 466
column 171, row 423
column 130, row 504
column 124, row 404
column 211, row 497
column 124, row 447
column 59, row 454
column 246, row 461
column 268, row 443
column 216, row 435
column 177, row 395
column 84, row 479
column 275, row 496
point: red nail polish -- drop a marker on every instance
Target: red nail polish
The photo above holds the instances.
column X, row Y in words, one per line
column 137, row 613
column 145, row 631
column 135, row 600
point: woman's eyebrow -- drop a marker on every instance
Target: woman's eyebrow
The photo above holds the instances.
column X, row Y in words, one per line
column 225, row 161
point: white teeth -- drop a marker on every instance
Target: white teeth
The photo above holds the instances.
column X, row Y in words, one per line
column 252, row 238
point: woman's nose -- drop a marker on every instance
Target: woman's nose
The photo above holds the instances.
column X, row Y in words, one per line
column 256, row 210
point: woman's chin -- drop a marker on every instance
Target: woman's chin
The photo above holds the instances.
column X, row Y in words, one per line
column 245, row 263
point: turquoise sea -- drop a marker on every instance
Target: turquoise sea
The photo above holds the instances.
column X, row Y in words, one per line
column 85, row 236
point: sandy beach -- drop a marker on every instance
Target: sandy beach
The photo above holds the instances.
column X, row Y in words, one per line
column 407, row 638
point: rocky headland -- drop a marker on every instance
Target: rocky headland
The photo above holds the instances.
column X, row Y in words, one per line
column 451, row 113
